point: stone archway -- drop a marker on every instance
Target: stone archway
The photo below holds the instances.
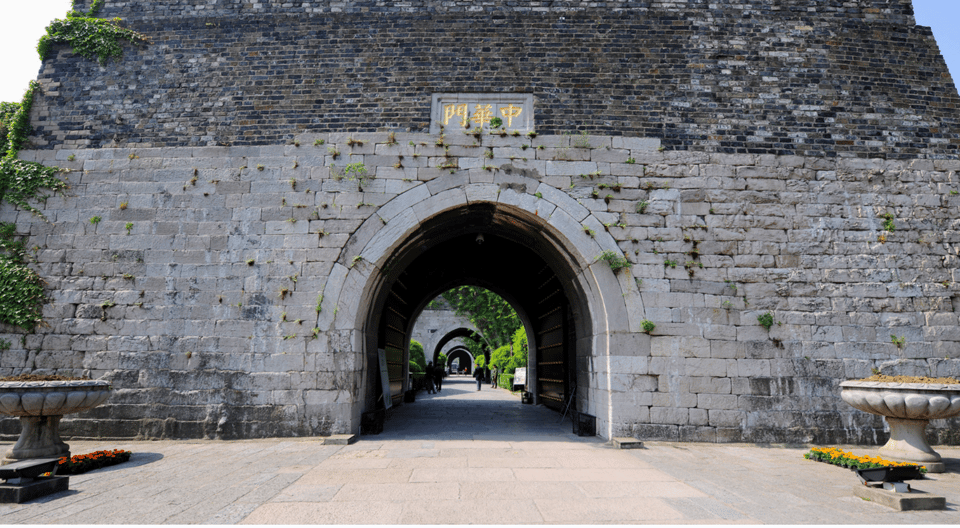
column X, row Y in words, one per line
column 435, row 322
column 461, row 332
column 466, row 359
column 391, row 279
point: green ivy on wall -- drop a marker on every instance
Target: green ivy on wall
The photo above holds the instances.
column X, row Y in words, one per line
column 15, row 119
column 88, row 36
column 21, row 288
column 22, row 180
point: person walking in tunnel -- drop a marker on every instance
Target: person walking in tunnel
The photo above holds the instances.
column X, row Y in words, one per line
column 437, row 373
column 478, row 375
column 428, row 378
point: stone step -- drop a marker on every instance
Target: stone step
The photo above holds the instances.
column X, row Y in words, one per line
column 339, row 439
column 911, row 501
column 626, row 442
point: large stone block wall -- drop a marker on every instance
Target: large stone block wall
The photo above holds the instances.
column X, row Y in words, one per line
column 202, row 313
column 802, row 77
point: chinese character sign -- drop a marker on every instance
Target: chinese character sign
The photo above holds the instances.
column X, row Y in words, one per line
column 471, row 111
column 511, row 112
column 458, row 112
column 482, row 115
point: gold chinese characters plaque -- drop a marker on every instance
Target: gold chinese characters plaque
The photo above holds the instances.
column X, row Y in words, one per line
column 465, row 112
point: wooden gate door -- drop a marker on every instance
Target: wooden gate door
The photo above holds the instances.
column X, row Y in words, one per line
column 552, row 385
column 394, row 340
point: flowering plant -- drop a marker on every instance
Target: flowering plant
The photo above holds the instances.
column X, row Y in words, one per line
column 839, row 457
column 82, row 463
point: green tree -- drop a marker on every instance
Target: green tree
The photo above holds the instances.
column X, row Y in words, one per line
column 512, row 356
column 500, row 357
column 415, row 368
column 416, row 355
column 479, row 361
column 475, row 344
column 494, row 317
column 519, row 347
column 441, row 360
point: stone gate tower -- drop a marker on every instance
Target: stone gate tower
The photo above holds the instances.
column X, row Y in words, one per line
column 279, row 182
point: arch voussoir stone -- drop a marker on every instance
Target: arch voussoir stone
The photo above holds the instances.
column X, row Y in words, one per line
column 389, row 237
column 517, row 197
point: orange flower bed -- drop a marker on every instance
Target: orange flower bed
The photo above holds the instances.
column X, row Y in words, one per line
column 82, row 463
column 839, row 457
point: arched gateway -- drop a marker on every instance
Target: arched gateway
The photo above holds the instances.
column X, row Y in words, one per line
column 515, row 236
column 466, row 360
column 454, row 334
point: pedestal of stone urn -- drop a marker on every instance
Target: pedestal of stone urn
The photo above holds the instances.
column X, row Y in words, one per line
column 908, row 408
column 40, row 406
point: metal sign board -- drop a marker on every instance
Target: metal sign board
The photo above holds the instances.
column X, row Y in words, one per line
column 520, row 376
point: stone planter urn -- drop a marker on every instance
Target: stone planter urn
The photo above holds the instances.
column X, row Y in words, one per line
column 908, row 408
column 40, row 406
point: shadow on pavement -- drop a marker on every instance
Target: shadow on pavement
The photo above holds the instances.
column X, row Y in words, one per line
column 460, row 411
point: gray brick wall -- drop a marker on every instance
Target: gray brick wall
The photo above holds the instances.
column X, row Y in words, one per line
column 801, row 77
column 197, row 343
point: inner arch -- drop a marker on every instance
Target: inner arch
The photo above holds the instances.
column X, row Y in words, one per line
column 459, row 332
column 466, row 359
column 517, row 254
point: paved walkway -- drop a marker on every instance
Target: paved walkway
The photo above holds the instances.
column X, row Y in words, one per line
column 463, row 457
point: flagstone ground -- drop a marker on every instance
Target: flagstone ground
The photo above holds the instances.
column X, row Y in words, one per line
column 462, row 456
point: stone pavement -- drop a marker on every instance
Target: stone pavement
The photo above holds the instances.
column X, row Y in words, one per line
column 463, row 457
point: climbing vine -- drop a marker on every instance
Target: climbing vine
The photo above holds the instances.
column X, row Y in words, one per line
column 88, row 36
column 15, row 119
column 21, row 288
column 7, row 111
column 20, row 180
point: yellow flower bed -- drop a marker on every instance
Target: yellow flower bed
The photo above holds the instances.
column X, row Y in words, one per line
column 839, row 457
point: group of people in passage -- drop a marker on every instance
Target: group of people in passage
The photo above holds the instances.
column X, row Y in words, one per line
column 434, row 378
column 478, row 374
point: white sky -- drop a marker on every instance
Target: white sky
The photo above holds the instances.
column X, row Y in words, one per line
column 27, row 20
